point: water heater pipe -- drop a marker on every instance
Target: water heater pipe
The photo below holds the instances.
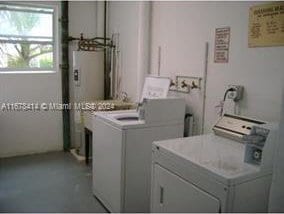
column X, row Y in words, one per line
column 65, row 73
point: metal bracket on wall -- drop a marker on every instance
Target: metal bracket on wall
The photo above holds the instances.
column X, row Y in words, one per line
column 92, row 44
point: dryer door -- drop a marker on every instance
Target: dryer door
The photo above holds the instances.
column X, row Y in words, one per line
column 171, row 193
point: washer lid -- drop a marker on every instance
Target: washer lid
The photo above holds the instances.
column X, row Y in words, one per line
column 121, row 119
column 216, row 156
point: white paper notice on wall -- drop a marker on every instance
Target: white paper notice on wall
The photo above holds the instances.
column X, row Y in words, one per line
column 222, row 44
column 155, row 87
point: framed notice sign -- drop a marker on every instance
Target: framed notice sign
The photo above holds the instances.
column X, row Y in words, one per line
column 222, row 43
column 266, row 25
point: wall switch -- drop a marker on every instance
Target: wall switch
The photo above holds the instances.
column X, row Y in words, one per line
column 185, row 83
column 237, row 94
column 77, row 77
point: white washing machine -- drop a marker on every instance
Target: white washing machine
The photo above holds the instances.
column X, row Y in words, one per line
column 122, row 148
column 122, row 152
column 229, row 171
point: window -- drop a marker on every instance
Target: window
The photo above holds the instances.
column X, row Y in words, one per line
column 27, row 41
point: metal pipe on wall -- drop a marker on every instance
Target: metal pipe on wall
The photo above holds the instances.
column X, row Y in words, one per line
column 65, row 73
column 106, row 68
column 204, row 86
column 102, row 32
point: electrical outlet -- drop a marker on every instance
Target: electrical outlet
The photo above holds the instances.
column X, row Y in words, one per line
column 185, row 84
column 237, row 94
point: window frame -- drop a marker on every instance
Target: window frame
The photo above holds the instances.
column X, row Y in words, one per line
column 55, row 37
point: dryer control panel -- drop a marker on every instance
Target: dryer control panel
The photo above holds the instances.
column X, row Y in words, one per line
column 255, row 142
column 235, row 127
column 258, row 137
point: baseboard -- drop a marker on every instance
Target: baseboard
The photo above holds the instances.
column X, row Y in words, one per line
column 16, row 154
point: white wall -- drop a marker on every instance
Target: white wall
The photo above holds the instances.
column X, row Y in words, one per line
column 277, row 188
column 182, row 28
column 131, row 21
column 82, row 19
column 30, row 132
column 26, row 133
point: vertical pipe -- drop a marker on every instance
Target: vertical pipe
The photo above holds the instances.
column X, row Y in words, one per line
column 159, row 60
column 204, row 86
column 65, row 74
column 106, row 69
column 112, row 73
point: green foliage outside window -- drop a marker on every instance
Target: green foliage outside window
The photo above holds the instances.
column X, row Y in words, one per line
column 25, row 51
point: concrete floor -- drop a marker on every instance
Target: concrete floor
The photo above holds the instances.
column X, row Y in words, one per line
column 50, row 182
